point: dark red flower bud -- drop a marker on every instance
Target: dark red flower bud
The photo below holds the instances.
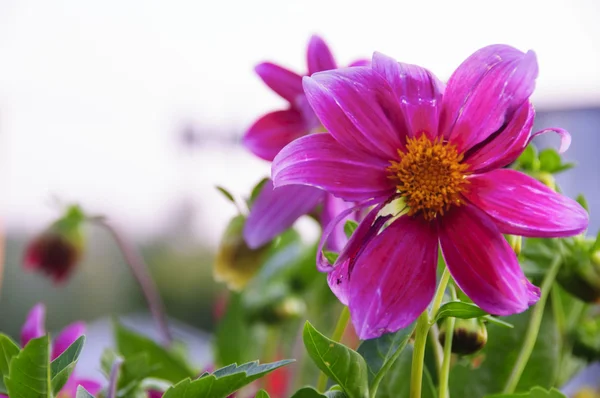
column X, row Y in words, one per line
column 57, row 251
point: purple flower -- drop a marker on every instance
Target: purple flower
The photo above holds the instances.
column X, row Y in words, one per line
column 34, row 328
column 399, row 138
column 274, row 211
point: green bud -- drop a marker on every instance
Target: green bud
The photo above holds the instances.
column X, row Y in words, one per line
column 236, row 263
column 580, row 273
column 546, row 179
column 587, row 339
column 469, row 336
column 516, row 243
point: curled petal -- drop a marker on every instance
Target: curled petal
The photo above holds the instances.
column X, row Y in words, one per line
column 504, row 147
column 357, row 107
column 483, row 93
column 319, row 160
column 418, row 92
column 565, row 137
column 34, row 324
column 67, row 337
column 283, row 81
column 333, row 206
column 393, row 280
column 319, row 56
column 275, row 210
column 482, row 263
column 269, row 134
column 521, row 205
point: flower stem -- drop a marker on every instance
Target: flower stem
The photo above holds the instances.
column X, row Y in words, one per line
column 439, row 294
column 340, row 328
column 140, row 271
column 416, row 372
column 114, row 378
column 533, row 329
column 445, row 369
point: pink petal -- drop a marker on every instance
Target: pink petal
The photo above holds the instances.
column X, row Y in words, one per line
column 319, row 160
column 34, row 324
column 504, row 147
column 276, row 210
column 393, row 280
column 283, row 81
column 521, row 205
column 333, row 206
column 484, row 91
column 67, row 337
column 360, row 62
column 418, row 92
column 319, row 56
column 273, row 131
column 482, row 263
column 369, row 227
column 565, row 137
column 358, row 108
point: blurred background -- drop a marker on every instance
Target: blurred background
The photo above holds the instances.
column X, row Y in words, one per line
column 134, row 109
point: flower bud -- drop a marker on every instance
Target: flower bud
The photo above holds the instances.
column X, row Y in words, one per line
column 236, row 263
column 469, row 336
column 587, row 339
column 546, row 178
column 516, row 243
column 276, row 312
column 57, row 251
column 580, row 273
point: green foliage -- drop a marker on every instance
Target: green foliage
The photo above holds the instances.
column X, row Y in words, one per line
column 380, row 352
column 330, row 256
column 82, row 393
column 458, row 309
column 29, row 371
column 62, row 367
column 255, row 191
column 309, row 392
column 222, row 382
column 8, row 349
column 535, row 392
column 343, row 365
column 134, row 371
column 551, row 161
column 226, row 194
column 487, row 372
column 349, row 227
column 167, row 364
column 261, row 394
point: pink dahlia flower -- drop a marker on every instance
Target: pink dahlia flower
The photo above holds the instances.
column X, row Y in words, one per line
column 399, row 137
column 34, row 328
column 274, row 211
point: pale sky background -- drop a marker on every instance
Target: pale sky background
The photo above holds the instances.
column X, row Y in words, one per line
column 93, row 93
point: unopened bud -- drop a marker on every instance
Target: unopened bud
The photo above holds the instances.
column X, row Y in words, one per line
column 468, row 337
column 516, row 243
column 547, row 179
column 587, row 339
column 580, row 273
column 236, row 263
column 57, row 251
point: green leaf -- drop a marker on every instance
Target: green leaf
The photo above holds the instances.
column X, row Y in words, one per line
column 29, row 371
column 350, row 227
column 261, row 394
column 62, row 367
column 583, row 202
column 487, row 372
column 232, row 338
column 309, row 392
column 224, row 381
column 226, row 193
column 343, row 365
column 133, row 371
column 169, row 365
column 536, row 392
column 528, row 160
column 458, row 309
column 8, row 349
column 256, row 191
column 378, row 352
column 330, row 256
column 82, row 393
column 549, row 160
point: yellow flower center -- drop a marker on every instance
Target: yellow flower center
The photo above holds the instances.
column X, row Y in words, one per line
column 430, row 176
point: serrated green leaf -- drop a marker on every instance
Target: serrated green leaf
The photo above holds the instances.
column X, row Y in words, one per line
column 261, row 394
column 29, row 371
column 82, row 393
column 224, row 381
column 536, row 392
column 8, row 349
column 62, row 367
column 169, row 365
column 226, row 193
column 342, row 364
column 378, row 352
column 309, row 392
column 349, row 227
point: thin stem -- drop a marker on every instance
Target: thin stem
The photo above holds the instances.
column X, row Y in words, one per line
column 416, row 372
column 340, row 328
column 533, row 329
column 438, row 353
column 445, row 369
column 384, row 369
column 140, row 271
column 114, row 378
column 439, row 294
